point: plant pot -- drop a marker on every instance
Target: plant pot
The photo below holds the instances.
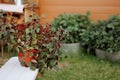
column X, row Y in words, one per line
column 105, row 55
column 71, row 48
column 100, row 53
column 114, row 56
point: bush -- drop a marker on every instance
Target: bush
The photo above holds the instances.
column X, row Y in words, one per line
column 111, row 28
column 72, row 25
column 103, row 35
column 88, row 39
column 6, row 29
column 36, row 44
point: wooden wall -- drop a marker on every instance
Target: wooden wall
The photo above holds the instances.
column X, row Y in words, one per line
column 100, row 9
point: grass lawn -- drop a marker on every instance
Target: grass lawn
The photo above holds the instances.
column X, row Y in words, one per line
column 80, row 67
column 84, row 67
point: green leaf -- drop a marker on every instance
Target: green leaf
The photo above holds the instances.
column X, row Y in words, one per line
column 10, row 47
column 11, row 38
column 17, row 49
column 88, row 13
column 34, row 61
column 12, row 30
column 110, row 26
column 31, row 54
column 38, row 30
column 27, row 31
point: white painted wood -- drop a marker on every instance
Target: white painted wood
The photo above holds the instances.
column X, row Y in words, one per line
column 12, row 8
column 12, row 70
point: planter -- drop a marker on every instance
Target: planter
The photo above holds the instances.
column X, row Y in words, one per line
column 104, row 55
column 114, row 56
column 71, row 48
column 100, row 53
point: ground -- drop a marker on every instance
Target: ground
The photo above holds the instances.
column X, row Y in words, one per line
column 81, row 67
column 84, row 67
column 2, row 61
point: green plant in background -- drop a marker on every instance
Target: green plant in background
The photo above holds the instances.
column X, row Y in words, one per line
column 103, row 35
column 6, row 30
column 72, row 25
column 111, row 30
column 88, row 38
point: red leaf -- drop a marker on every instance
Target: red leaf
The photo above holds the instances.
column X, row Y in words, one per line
column 21, row 55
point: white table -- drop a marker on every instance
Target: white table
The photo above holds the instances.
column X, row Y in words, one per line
column 12, row 8
column 12, row 70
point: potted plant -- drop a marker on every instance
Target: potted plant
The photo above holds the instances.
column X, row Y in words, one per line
column 110, row 41
column 36, row 44
column 72, row 25
column 103, row 37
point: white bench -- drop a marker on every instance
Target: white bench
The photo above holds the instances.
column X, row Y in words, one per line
column 12, row 70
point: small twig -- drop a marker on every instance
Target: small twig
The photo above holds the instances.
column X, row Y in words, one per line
column 2, row 48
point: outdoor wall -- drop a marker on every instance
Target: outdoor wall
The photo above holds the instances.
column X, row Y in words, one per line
column 100, row 9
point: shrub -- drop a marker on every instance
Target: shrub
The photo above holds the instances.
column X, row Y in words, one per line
column 6, row 29
column 111, row 28
column 88, row 38
column 39, row 45
column 36, row 44
column 72, row 25
column 103, row 35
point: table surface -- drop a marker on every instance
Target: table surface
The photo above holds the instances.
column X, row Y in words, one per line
column 12, row 70
column 12, row 8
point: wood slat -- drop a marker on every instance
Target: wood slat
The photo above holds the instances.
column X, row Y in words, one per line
column 50, row 16
column 69, row 9
column 80, row 2
column 96, row 12
column 100, row 9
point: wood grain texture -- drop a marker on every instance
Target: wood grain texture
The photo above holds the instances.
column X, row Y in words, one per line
column 80, row 2
column 100, row 9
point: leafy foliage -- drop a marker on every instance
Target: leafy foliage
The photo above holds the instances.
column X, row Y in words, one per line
column 35, row 43
column 103, row 35
column 39, row 45
column 72, row 25
column 6, row 29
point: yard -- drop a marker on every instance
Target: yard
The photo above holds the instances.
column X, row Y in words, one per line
column 80, row 67
column 84, row 67
column 68, row 27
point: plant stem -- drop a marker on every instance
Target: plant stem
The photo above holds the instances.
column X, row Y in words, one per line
column 2, row 48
